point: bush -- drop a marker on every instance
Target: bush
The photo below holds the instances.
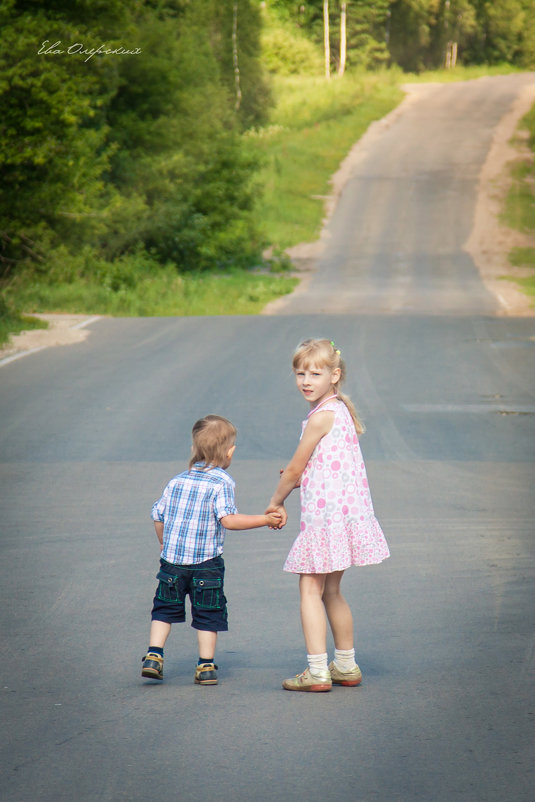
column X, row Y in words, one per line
column 120, row 153
column 285, row 52
column 11, row 321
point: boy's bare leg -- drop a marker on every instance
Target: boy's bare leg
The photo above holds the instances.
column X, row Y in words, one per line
column 159, row 632
column 153, row 661
column 207, row 644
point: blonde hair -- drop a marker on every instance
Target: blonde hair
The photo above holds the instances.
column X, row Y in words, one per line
column 325, row 354
column 212, row 437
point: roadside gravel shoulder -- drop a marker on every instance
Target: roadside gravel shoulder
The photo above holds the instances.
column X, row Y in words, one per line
column 62, row 330
column 490, row 242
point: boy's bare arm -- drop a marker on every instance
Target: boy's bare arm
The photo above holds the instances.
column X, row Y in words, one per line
column 158, row 526
column 239, row 521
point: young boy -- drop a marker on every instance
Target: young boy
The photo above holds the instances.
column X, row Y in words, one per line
column 190, row 521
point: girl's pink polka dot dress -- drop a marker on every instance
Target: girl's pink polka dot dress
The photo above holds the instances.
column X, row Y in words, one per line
column 338, row 524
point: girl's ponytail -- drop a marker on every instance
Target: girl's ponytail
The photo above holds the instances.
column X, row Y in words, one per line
column 359, row 426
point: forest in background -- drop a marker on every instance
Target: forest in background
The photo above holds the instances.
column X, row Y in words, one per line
column 125, row 162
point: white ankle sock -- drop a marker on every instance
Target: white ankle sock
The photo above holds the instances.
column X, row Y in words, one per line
column 317, row 663
column 344, row 659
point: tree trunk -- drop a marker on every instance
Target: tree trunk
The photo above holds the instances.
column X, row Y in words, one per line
column 451, row 55
column 237, row 86
column 326, row 44
column 343, row 40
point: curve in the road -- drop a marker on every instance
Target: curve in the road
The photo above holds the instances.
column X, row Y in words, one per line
column 395, row 243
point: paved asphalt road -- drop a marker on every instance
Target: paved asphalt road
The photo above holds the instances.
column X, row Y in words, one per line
column 90, row 434
column 396, row 243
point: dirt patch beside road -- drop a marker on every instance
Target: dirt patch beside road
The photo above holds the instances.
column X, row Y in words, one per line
column 490, row 241
column 62, row 330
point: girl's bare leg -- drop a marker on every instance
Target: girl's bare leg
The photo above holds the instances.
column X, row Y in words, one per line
column 313, row 620
column 338, row 611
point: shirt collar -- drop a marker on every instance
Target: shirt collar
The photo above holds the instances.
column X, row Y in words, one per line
column 217, row 470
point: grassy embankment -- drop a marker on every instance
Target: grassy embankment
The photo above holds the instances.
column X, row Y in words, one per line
column 11, row 322
column 460, row 73
column 313, row 125
column 519, row 211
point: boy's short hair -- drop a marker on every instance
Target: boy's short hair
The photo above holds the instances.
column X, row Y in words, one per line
column 212, row 436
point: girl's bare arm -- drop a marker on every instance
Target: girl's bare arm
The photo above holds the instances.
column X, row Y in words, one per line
column 317, row 427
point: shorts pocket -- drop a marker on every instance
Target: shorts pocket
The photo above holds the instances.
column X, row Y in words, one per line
column 167, row 590
column 208, row 593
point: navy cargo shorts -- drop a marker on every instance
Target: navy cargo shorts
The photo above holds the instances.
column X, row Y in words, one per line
column 203, row 583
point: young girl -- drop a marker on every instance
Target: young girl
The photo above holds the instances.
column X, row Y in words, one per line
column 338, row 525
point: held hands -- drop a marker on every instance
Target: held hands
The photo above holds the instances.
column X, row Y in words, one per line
column 277, row 509
column 279, row 514
column 274, row 519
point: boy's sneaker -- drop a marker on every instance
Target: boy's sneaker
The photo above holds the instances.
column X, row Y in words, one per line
column 309, row 682
column 347, row 678
column 152, row 666
column 206, row 674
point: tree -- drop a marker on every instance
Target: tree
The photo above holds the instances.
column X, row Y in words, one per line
column 505, row 22
column 326, row 38
column 367, row 32
column 419, row 34
column 113, row 154
column 343, row 39
column 357, row 38
column 53, row 139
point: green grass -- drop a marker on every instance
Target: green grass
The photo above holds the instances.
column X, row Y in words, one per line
column 313, row 127
column 459, row 73
column 161, row 293
column 526, row 284
column 519, row 209
column 522, row 257
column 12, row 322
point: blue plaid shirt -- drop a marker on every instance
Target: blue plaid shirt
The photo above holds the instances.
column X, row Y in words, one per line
column 190, row 508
